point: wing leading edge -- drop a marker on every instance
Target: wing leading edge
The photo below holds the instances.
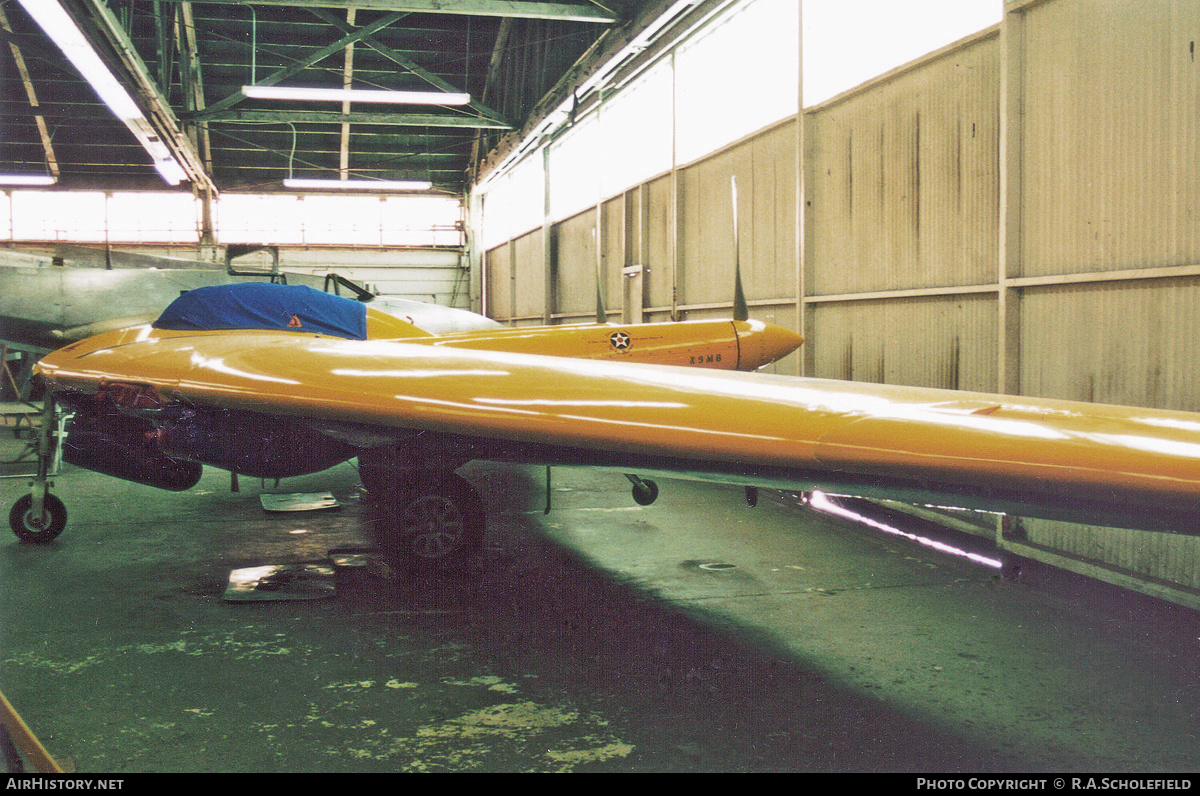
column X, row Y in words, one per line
column 1095, row 463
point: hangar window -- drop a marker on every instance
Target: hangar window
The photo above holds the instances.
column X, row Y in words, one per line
column 335, row 219
column 575, row 170
column 515, row 203
column 732, row 79
column 421, row 221
column 50, row 215
column 258, row 218
column 162, row 217
column 636, row 130
column 153, row 217
column 738, row 77
column 848, row 42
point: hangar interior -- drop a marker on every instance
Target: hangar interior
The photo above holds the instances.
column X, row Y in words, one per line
column 1010, row 213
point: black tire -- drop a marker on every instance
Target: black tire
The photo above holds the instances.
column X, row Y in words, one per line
column 434, row 525
column 645, row 492
column 38, row 530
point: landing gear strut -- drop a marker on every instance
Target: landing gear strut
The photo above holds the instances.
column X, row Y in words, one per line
column 39, row 516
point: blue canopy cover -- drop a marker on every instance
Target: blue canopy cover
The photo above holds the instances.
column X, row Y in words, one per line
column 263, row 305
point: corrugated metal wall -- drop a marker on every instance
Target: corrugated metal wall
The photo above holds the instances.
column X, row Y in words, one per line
column 947, row 342
column 903, row 186
column 1015, row 212
column 1111, row 101
column 1104, row 211
column 902, row 208
column 439, row 276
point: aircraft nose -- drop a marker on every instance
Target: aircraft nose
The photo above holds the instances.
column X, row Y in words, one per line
column 763, row 343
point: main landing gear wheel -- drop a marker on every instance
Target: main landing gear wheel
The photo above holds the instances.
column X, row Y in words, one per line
column 432, row 524
column 38, row 530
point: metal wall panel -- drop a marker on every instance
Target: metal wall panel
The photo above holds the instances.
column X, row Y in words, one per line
column 575, row 264
column 1132, row 342
column 613, row 242
column 903, row 272
column 660, row 247
column 529, row 276
column 434, row 275
column 1166, row 559
column 903, row 180
column 497, row 281
column 1111, row 105
column 765, row 168
column 945, row 342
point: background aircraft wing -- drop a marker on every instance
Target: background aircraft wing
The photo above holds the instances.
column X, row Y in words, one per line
column 1104, row 464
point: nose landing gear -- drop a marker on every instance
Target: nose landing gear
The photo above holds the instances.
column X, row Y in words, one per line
column 39, row 516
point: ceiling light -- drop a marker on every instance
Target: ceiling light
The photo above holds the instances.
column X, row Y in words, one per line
column 27, row 179
column 61, row 28
column 355, row 95
column 356, row 185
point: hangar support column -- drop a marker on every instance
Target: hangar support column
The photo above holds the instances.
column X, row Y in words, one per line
column 1011, row 134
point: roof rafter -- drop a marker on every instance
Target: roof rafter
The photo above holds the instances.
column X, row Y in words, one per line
column 160, row 115
column 31, row 95
column 314, row 57
column 410, row 65
column 565, row 12
column 337, row 117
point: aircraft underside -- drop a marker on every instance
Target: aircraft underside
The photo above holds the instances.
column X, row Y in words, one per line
column 423, row 514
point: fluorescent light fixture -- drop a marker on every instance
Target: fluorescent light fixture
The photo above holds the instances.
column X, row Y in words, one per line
column 355, row 95
column 356, row 185
column 27, row 179
column 59, row 26
column 169, row 169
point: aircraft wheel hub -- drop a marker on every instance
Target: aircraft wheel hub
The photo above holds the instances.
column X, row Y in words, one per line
column 435, row 526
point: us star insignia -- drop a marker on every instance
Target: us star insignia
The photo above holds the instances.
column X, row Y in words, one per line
column 619, row 341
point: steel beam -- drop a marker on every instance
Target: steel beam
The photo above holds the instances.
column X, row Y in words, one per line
column 316, row 56
column 410, row 65
column 337, row 117
column 562, row 12
column 31, row 95
column 160, row 115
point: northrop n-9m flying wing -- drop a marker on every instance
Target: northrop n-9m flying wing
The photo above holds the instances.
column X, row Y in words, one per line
column 279, row 388
column 129, row 423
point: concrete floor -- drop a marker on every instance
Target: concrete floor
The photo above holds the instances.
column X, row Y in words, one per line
column 599, row 638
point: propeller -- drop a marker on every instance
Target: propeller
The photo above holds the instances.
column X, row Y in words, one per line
column 601, row 312
column 740, row 311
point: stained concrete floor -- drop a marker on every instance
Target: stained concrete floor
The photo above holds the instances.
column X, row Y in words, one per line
column 599, row 638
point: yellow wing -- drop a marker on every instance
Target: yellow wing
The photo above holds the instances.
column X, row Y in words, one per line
column 1108, row 464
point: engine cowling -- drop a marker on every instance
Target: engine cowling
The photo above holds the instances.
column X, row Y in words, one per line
column 248, row 443
column 104, row 440
column 127, row 433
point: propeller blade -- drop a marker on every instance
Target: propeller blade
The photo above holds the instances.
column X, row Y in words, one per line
column 741, row 312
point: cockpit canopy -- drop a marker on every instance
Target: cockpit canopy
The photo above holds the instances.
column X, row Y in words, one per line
column 263, row 305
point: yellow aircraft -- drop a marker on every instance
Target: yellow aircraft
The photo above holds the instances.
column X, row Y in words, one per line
column 278, row 386
column 129, row 425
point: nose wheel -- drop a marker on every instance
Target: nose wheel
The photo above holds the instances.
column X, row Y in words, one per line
column 34, row 526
